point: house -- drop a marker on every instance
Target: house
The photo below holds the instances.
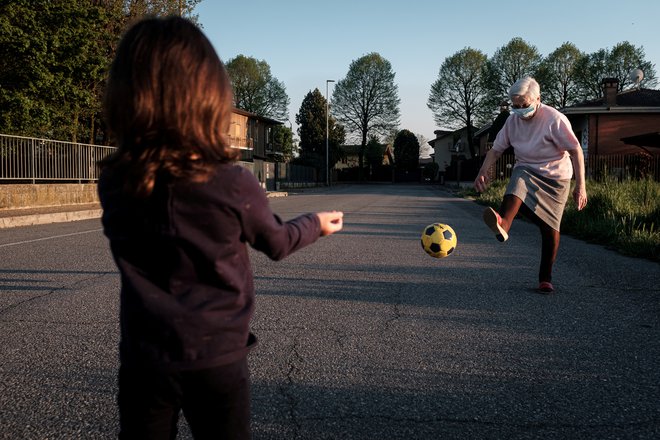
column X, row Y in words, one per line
column 482, row 140
column 449, row 146
column 348, row 168
column 484, row 137
column 618, row 123
column 442, row 148
column 351, row 156
column 425, row 160
column 253, row 135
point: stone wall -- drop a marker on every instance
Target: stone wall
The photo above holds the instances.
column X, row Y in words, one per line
column 43, row 195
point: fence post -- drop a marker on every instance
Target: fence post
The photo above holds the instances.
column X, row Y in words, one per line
column 32, row 164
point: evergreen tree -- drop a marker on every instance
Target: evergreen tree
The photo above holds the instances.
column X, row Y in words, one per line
column 283, row 138
column 374, row 152
column 311, row 120
column 406, row 151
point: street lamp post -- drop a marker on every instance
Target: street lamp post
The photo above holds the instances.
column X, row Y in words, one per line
column 327, row 134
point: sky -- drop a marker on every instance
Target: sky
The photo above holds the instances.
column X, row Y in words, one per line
column 307, row 42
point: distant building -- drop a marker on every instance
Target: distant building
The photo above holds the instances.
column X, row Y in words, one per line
column 351, row 156
column 485, row 136
column 449, row 146
column 253, row 135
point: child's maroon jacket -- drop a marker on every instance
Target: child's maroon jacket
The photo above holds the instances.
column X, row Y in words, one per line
column 187, row 293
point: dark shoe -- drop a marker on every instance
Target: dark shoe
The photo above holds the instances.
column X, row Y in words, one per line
column 494, row 222
column 546, row 287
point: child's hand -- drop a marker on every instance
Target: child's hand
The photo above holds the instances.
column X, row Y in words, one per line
column 331, row 222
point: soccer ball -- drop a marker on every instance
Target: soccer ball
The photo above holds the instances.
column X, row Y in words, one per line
column 438, row 240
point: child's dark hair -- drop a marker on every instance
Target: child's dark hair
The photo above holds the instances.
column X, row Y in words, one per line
column 167, row 104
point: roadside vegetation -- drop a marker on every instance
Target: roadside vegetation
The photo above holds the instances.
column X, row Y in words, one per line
column 620, row 215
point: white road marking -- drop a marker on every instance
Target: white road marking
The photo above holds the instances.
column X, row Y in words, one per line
column 48, row 238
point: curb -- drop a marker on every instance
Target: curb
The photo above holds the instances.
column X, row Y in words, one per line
column 55, row 217
column 271, row 194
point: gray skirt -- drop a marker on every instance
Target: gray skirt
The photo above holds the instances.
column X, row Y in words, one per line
column 546, row 197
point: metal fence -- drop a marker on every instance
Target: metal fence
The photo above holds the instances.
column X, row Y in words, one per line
column 33, row 159
column 291, row 174
column 25, row 159
column 623, row 166
column 600, row 166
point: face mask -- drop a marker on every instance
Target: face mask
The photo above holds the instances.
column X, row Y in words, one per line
column 524, row 113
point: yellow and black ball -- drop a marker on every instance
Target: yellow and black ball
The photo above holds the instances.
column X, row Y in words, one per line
column 439, row 240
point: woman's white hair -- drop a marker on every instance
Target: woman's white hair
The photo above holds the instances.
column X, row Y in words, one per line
column 526, row 87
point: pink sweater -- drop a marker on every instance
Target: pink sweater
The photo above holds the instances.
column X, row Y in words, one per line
column 540, row 143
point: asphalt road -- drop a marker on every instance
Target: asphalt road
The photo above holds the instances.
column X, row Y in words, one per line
column 362, row 335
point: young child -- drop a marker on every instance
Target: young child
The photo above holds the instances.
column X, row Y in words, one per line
column 179, row 215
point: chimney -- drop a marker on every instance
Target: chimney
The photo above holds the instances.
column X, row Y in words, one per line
column 610, row 90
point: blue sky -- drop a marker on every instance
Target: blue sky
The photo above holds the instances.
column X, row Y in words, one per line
column 306, row 42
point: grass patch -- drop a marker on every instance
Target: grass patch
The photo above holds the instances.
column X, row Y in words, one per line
column 621, row 215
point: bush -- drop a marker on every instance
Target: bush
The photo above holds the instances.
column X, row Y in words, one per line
column 430, row 170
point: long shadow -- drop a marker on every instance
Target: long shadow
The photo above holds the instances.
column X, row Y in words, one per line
column 35, row 284
column 455, row 397
column 456, row 403
column 50, row 271
column 446, row 287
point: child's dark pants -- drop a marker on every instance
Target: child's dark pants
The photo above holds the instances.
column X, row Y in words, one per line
column 215, row 402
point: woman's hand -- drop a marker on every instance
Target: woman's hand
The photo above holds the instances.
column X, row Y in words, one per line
column 580, row 197
column 331, row 222
column 481, row 182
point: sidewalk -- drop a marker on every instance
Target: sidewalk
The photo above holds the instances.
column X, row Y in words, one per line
column 11, row 218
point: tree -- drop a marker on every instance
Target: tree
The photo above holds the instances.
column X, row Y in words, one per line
column 256, row 90
column 459, row 97
column 509, row 63
column 373, row 154
column 56, row 56
column 616, row 63
column 59, row 56
column 388, row 138
column 624, row 58
column 557, row 76
column 311, row 120
column 425, row 149
column 590, row 71
column 283, row 138
column 140, row 8
column 430, row 170
column 406, row 151
column 366, row 101
column 23, row 41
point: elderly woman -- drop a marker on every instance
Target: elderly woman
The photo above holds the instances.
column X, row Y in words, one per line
column 547, row 153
